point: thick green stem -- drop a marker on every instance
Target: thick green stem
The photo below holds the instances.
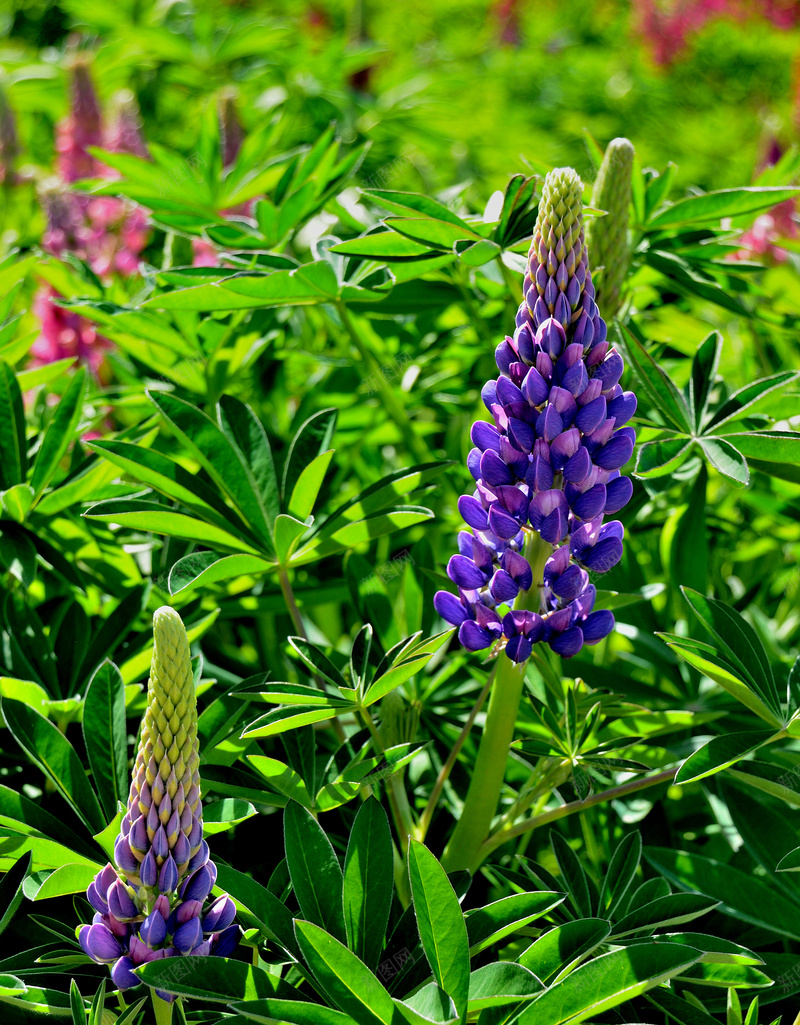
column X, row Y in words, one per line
column 162, row 1008
column 489, row 770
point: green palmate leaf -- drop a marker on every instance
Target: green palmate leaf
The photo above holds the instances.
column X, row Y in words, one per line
column 662, row 393
column 60, row 432
column 306, row 488
column 748, row 397
column 314, row 870
column 670, row 910
column 17, row 501
column 725, row 976
column 11, row 892
column 219, row 816
column 307, row 285
column 65, row 879
column 247, row 433
column 219, row 455
column 428, row 1006
column 704, row 373
column 218, row 979
column 383, row 245
column 340, row 536
column 359, row 657
column 720, row 753
column 768, row 447
column 288, row 532
column 202, row 569
column 346, row 981
column 282, row 719
column 621, row 873
column 313, row 438
column 715, row 950
column 35, row 1001
column 681, row 1011
column 283, row 778
column 105, row 736
column 393, row 678
column 13, row 465
column 367, row 892
column 658, row 458
column 169, row 479
column 434, row 233
column 713, row 206
column 742, row 895
column 740, row 644
column 498, row 920
column 789, row 862
column 295, row 1012
column 769, row 779
column 48, row 748
column 501, row 983
column 767, row 834
column 440, row 921
column 143, row 515
column 573, row 874
column 606, row 982
column 268, row 912
column 728, row 460
column 556, row 952
column 726, row 675
column 384, row 493
column 412, row 202
column 317, row 661
column 22, row 815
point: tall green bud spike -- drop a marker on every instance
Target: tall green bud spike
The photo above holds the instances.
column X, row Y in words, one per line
column 607, row 237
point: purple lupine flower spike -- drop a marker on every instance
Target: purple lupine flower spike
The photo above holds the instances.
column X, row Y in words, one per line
column 547, row 470
column 153, row 903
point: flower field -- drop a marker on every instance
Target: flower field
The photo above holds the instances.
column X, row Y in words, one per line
column 400, row 512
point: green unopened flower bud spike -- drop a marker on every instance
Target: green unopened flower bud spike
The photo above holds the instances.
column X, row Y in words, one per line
column 607, row 237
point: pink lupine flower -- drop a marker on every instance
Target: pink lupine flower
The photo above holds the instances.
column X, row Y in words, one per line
column 83, row 127
column 763, row 238
column 125, row 135
column 668, row 27
column 65, row 334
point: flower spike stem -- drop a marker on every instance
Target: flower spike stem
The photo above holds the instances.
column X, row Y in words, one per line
column 483, row 796
column 162, row 1009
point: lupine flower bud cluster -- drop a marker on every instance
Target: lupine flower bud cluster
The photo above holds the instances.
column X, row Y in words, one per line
column 153, row 902
column 547, row 469
column 607, row 236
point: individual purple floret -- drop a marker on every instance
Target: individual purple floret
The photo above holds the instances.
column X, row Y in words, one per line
column 547, row 470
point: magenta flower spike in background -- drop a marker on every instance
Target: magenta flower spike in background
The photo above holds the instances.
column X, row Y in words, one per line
column 547, row 468
column 154, row 902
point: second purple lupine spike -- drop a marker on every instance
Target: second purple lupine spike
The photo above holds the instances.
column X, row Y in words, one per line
column 548, row 468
